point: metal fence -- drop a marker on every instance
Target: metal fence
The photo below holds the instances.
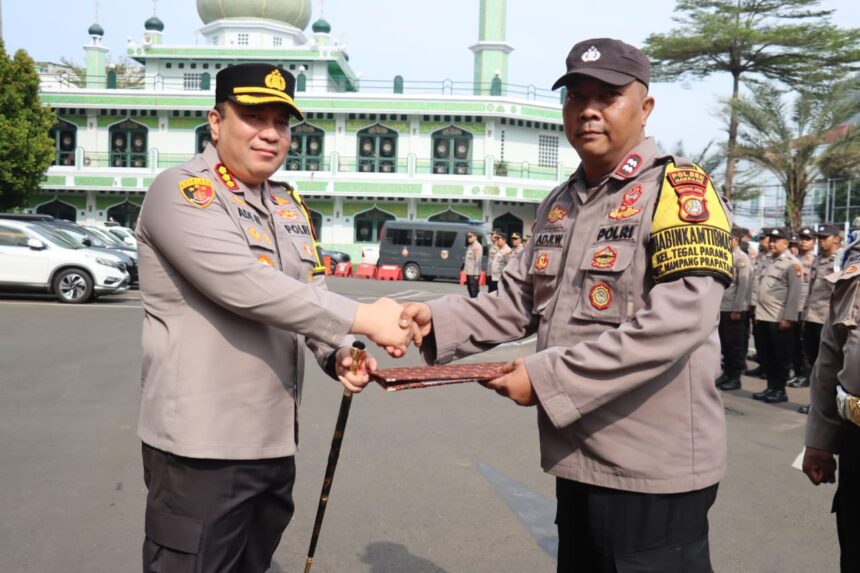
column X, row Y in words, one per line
column 834, row 201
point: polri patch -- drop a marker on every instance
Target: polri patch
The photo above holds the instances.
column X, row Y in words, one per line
column 616, row 233
column 626, row 209
column 629, row 166
column 600, row 296
column 604, row 258
column 198, row 191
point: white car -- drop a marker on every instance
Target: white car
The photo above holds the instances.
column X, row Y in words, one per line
column 370, row 254
column 124, row 234
column 33, row 257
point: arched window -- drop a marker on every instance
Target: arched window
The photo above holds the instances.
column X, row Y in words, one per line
column 128, row 144
column 126, row 213
column 377, row 150
column 202, row 136
column 508, row 224
column 452, row 151
column 449, row 216
column 368, row 225
column 58, row 210
column 65, row 136
column 306, row 148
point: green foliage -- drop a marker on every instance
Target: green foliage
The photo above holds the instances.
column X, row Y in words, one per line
column 796, row 140
column 26, row 150
column 789, row 41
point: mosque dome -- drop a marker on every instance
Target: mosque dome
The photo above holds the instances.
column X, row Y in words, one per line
column 154, row 24
column 96, row 30
column 321, row 27
column 293, row 12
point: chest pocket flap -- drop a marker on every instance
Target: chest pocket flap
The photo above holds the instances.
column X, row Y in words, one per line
column 258, row 236
column 605, row 294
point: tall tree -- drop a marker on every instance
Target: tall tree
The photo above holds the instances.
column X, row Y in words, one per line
column 789, row 41
column 795, row 139
column 26, row 149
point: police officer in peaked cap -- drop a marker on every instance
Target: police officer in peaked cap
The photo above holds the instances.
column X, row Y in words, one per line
column 232, row 289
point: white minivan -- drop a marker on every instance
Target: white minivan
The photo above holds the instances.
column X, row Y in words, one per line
column 35, row 258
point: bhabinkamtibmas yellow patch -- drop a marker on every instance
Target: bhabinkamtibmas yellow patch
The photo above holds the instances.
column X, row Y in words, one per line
column 690, row 233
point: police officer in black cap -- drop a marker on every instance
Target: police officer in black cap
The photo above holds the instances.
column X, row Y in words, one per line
column 233, row 290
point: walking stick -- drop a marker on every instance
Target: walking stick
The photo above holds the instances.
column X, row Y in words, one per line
column 334, row 452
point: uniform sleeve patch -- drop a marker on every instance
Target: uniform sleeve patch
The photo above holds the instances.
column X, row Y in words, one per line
column 198, row 191
column 686, row 239
column 600, row 296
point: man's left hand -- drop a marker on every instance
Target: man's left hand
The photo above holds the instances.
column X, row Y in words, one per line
column 514, row 384
column 353, row 381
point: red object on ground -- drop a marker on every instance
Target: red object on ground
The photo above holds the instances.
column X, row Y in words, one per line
column 327, row 265
column 365, row 271
column 343, row 270
column 482, row 280
column 389, row 273
column 462, row 278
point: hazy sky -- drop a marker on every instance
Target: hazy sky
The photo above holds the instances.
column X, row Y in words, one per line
column 418, row 40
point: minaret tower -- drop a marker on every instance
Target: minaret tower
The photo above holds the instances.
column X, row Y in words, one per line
column 96, row 55
column 491, row 51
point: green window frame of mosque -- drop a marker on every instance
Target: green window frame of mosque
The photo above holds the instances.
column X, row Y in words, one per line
column 202, row 136
column 377, row 150
column 368, row 225
column 452, row 151
column 65, row 136
column 128, row 144
column 306, row 148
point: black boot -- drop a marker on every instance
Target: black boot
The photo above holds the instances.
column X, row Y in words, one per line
column 761, row 395
column 730, row 384
column 775, row 397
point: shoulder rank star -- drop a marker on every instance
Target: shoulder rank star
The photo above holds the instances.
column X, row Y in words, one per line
column 197, row 191
column 629, row 166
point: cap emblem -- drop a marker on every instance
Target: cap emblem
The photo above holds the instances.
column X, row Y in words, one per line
column 591, row 55
column 276, row 81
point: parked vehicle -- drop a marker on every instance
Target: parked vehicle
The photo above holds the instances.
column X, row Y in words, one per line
column 336, row 257
column 124, row 234
column 370, row 254
column 428, row 250
column 38, row 258
column 87, row 238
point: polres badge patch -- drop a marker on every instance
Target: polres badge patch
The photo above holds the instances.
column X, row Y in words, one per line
column 198, row 191
column 600, row 296
column 690, row 185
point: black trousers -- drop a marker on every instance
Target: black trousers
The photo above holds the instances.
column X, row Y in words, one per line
column 492, row 286
column 472, row 285
column 214, row 516
column 734, row 340
column 775, row 353
column 847, row 498
column 811, row 340
column 602, row 530
column 758, row 339
column 798, row 356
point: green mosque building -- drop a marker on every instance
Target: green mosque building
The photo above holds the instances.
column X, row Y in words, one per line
column 367, row 152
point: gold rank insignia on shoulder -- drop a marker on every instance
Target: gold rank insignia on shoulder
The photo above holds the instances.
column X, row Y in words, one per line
column 198, row 191
column 226, row 177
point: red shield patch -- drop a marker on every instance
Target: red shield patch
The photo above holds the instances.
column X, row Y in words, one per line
column 197, row 191
column 693, row 208
column 629, row 166
column 542, row 262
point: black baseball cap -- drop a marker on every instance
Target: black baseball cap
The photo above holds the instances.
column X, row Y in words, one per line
column 779, row 233
column 808, row 232
column 739, row 232
column 827, row 230
column 257, row 84
column 608, row 60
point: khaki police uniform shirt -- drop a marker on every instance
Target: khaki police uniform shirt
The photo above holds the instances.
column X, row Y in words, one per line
column 820, row 289
column 500, row 259
column 807, row 262
column 762, row 260
column 473, row 260
column 838, row 357
column 779, row 289
column 736, row 297
column 229, row 301
column 518, row 249
column 624, row 368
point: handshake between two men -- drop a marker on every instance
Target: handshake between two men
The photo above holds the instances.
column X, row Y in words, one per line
column 393, row 326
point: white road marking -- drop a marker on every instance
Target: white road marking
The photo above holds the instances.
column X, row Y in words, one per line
column 70, row 306
column 404, row 295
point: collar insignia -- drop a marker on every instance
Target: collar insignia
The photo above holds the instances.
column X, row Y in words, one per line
column 629, row 166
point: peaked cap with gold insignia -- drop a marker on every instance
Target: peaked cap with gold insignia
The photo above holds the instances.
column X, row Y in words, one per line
column 257, row 84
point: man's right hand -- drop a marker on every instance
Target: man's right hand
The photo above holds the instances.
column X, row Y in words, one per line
column 418, row 316
column 383, row 323
column 819, row 466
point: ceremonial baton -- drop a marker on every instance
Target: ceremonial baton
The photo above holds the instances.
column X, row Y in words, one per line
column 358, row 354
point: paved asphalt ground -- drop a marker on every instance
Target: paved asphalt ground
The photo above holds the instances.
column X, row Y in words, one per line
column 440, row 480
